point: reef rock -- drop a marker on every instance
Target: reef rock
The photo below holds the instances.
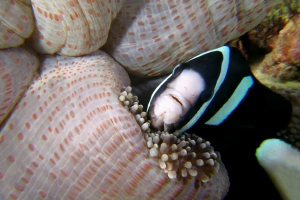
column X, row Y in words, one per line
column 283, row 62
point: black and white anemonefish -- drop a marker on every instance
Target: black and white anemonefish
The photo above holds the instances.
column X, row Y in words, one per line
column 216, row 88
column 215, row 96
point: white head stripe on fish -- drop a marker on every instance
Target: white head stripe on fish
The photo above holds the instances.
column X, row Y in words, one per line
column 238, row 95
column 225, row 63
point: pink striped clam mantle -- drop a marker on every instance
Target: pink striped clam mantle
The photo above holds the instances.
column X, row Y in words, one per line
column 68, row 137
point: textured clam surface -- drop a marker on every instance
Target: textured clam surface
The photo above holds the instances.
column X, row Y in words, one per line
column 69, row 137
column 16, row 22
column 72, row 27
column 17, row 67
column 150, row 37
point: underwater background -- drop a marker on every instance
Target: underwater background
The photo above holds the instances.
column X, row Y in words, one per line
column 69, row 132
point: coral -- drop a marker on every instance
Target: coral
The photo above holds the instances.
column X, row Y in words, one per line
column 286, row 49
column 294, row 5
column 266, row 32
column 283, row 62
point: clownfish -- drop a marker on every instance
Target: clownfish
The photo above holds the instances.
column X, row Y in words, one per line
column 216, row 88
column 216, row 96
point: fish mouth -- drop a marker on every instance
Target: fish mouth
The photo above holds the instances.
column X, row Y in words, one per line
column 168, row 110
column 176, row 99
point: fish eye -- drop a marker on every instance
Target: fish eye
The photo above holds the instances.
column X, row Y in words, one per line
column 206, row 95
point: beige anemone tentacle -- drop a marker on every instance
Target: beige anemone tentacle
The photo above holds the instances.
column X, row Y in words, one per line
column 70, row 138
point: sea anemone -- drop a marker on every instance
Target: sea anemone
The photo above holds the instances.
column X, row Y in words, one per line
column 181, row 156
column 130, row 102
